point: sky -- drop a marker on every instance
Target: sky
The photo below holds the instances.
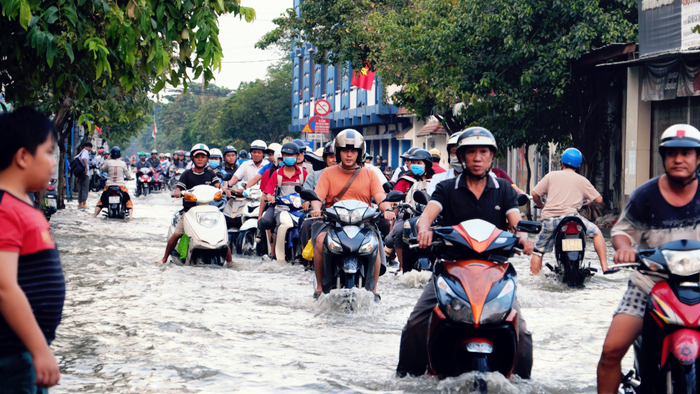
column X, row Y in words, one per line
column 242, row 62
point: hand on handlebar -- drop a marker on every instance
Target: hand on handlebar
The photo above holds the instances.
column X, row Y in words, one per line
column 315, row 214
column 305, row 206
column 177, row 193
column 425, row 238
column 528, row 246
column 625, row 255
column 389, row 215
column 227, row 192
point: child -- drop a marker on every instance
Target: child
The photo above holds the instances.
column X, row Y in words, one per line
column 32, row 287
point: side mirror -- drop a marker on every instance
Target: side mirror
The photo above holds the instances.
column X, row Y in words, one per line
column 523, row 199
column 225, row 176
column 298, row 188
column 394, row 196
column 421, row 197
column 388, row 187
column 528, row 226
column 308, row 195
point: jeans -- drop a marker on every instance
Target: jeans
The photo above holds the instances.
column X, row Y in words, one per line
column 83, row 187
column 17, row 375
column 413, row 353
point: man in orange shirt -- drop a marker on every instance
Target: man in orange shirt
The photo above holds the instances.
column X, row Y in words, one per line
column 349, row 148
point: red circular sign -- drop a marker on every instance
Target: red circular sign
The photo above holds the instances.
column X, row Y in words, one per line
column 322, row 107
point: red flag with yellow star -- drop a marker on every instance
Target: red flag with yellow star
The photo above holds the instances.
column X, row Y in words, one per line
column 363, row 79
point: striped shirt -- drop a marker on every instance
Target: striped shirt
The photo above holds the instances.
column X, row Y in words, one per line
column 39, row 272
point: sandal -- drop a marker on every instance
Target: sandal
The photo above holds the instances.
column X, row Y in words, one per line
column 317, row 294
column 377, row 297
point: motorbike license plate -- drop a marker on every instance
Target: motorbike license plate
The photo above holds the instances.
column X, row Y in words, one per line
column 571, row 245
column 114, row 200
column 52, row 203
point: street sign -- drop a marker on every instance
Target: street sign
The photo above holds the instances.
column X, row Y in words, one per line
column 317, row 124
column 309, row 142
column 322, row 107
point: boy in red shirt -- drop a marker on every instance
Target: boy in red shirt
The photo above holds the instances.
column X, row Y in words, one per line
column 32, row 286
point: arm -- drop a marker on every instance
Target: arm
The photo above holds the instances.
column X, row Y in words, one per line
column 253, row 181
column 385, row 206
column 316, row 208
column 17, row 312
column 104, row 167
column 595, row 201
column 623, row 249
column 425, row 234
column 538, row 201
column 513, row 220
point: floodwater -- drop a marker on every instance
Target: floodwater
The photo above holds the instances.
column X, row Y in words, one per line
column 132, row 326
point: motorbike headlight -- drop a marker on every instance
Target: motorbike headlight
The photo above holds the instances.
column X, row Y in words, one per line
column 497, row 309
column 208, row 219
column 296, row 202
column 333, row 245
column 357, row 214
column 682, row 262
column 368, row 245
column 285, row 201
column 457, row 309
column 343, row 214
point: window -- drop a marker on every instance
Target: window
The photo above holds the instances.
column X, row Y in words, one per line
column 301, row 78
column 324, row 75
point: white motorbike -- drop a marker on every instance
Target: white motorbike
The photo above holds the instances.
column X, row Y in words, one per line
column 238, row 211
column 205, row 239
column 245, row 243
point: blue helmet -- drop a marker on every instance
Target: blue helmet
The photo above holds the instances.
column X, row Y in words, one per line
column 115, row 152
column 572, row 157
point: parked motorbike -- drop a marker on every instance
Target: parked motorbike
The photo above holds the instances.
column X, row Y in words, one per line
column 97, row 180
column 351, row 247
column 144, row 181
column 666, row 360
column 569, row 246
column 474, row 326
column 50, row 205
column 116, row 208
column 288, row 245
column 205, row 235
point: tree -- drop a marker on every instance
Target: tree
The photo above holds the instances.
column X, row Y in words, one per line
column 71, row 57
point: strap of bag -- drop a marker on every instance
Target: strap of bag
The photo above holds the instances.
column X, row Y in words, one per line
column 347, row 186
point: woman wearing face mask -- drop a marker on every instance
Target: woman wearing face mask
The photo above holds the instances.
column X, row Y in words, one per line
column 215, row 160
column 420, row 165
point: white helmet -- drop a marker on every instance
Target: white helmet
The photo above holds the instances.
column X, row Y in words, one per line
column 258, row 144
column 215, row 153
column 453, row 140
column 199, row 147
column 278, row 155
column 273, row 147
column 350, row 138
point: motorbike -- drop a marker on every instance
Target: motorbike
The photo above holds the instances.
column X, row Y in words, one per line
column 474, row 326
column 569, row 246
column 176, row 173
column 666, row 358
column 116, row 208
column 144, row 181
column 245, row 241
column 351, row 247
column 205, row 238
column 97, row 180
column 288, row 245
column 50, row 205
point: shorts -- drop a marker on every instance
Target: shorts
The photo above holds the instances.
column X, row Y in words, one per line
column 125, row 197
column 545, row 239
column 180, row 226
column 634, row 302
column 17, row 374
column 397, row 234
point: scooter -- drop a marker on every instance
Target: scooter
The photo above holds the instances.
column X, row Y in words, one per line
column 205, row 239
column 116, row 208
column 245, row 241
column 474, row 326
column 50, row 205
column 288, row 245
column 667, row 359
column 144, row 179
column 569, row 246
column 351, row 247
column 97, row 179
column 176, row 173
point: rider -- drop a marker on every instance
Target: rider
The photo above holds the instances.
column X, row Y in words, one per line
column 310, row 184
column 99, row 158
column 421, row 166
column 349, row 148
column 270, row 152
column 472, row 195
column 215, row 158
column 142, row 163
column 404, row 167
column 266, row 217
column 199, row 175
column 249, row 168
column 661, row 210
column 243, row 157
column 230, row 163
column 565, row 192
column 302, row 151
column 454, row 163
column 284, row 181
column 116, row 171
column 436, row 161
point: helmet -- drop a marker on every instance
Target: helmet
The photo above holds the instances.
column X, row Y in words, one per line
column 244, row 154
column 229, row 149
column 290, row 148
column 349, row 138
column 154, row 151
column 257, row 144
column 278, row 155
column 115, row 152
column 679, row 136
column 101, row 151
column 435, row 153
column 453, row 140
column 300, row 144
column 167, row 155
column 367, row 156
column 187, row 154
column 319, row 152
column 215, row 153
column 476, row 136
column 273, row 147
column 572, row 157
column 328, row 149
column 199, row 147
column 181, row 152
column 422, row 154
column 408, row 153
column 142, row 154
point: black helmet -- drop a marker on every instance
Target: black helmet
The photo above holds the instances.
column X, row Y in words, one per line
column 408, row 153
column 244, row 154
column 115, row 152
column 290, row 148
column 328, row 149
column 300, row 144
column 422, row 154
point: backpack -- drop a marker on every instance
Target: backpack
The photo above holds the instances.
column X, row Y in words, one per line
column 77, row 167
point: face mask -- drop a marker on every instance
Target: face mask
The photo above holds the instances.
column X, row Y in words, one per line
column 417, row 169
column 290, row 161
column 454, row 162
column 214, row 164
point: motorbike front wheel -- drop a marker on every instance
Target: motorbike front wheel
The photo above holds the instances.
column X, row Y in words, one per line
column 681, row 379
column 246, row 242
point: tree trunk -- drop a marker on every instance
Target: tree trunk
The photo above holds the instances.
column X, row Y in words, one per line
column 61, row 120
column 527, row 184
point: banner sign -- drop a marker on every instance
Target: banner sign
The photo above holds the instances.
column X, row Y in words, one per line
column 690, row 17
column 670, row 80
column 317, row 124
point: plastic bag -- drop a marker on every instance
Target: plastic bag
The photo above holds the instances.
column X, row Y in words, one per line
column 308, row 253
column 183, row 246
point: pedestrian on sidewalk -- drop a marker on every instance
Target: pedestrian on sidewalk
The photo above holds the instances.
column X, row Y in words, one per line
column 84, row 179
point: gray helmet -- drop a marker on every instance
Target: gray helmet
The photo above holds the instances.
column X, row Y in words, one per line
column 230, row 149
column 406, row 155
column 300, row 144
column 350, row 138
column 290, row 148
column 328, row 149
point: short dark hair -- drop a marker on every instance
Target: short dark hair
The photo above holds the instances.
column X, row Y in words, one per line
column 568, row 166
column 25, row 128
column 87, row 143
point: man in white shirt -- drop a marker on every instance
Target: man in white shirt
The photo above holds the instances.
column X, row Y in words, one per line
column 248, row 169
column 84, row 179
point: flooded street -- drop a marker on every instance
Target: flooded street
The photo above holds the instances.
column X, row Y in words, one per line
column 132, row 326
